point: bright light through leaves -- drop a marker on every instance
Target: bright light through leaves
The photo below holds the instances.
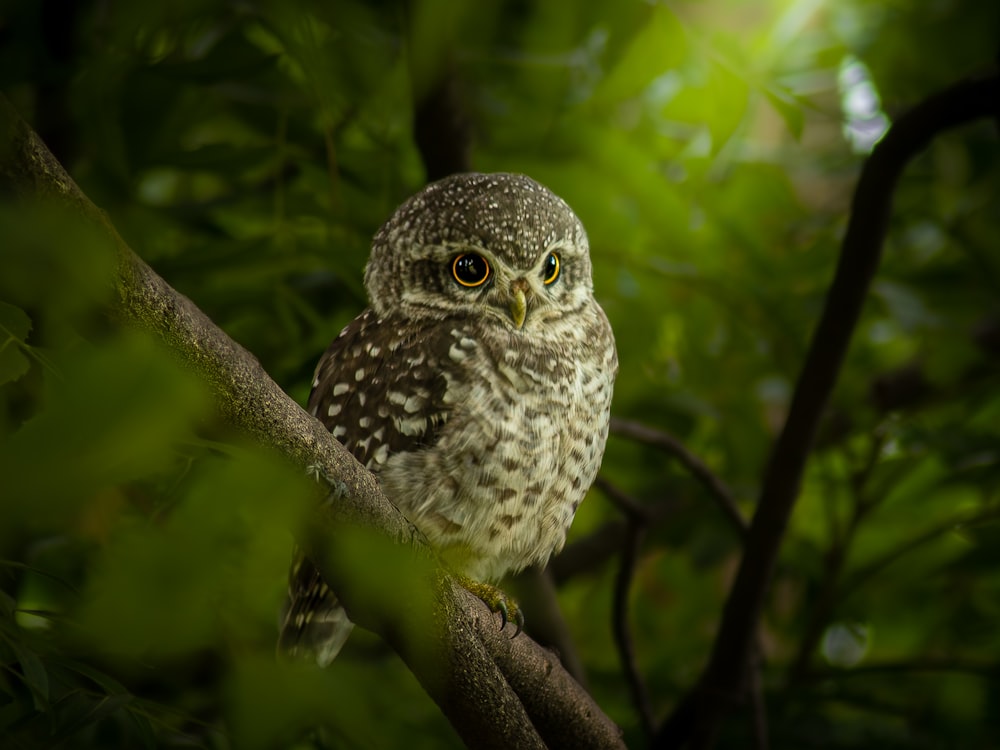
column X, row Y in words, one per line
column 864, row 121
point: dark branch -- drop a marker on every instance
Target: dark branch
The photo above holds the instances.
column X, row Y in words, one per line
column 758, row 707
column 989, row 670
column 723, row 682
column 620, row 627
column 697, row 468
column 836, row 556
column 441, row 129
column 858, row 577
column 631, row 508
column 589, row 553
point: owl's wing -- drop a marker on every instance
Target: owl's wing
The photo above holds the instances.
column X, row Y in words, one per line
column 313, row 623
column 378, row 390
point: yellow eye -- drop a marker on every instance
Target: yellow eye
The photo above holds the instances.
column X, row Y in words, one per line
column 550, row 270
column 470, row 269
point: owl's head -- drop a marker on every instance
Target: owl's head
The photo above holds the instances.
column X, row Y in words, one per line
column 492, row 245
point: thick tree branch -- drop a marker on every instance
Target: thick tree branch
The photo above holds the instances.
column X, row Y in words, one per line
column 441, row 128
column 535, row 589
column 758, row 708
column 723, row 682
column 496, row 694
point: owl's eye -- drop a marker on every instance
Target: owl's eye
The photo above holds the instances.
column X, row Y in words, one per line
column 550, row 270
column 470, row 269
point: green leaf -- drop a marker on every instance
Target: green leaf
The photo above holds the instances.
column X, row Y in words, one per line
column 106, row 682
column 657, row 46
column 14, row 328
column 788, row 108
column 119, row 412
column 88, row 712
column 33, row 672
column 7, row 605
column 715, row 96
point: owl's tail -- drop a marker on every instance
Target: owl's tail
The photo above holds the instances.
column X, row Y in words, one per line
column 313, row 623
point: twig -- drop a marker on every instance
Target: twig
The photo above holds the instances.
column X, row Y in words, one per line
column 875, row 567
column 836, row 557
column 723, row 682
column 695, row 466
column 635, row 526
column 632, row 509
column 989, row 670
column 590, row 552
column 622, row 633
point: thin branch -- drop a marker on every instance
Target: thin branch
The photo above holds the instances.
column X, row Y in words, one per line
column 835, row 559
column 631, row 508
column 724, row 681
column 989, row 670
column 622, row 633
column 637, row 520
column 717, row 489
column 589, row 553
column 859, row 577
column 492, row 702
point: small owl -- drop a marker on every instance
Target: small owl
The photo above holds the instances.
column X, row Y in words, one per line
column 476, row 387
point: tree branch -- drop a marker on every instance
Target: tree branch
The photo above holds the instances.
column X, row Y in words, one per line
column 535, row 589
column 589, row 553
column 758, row 707
column 718, row 489
column 873, row 568
column 497, row 693
column 723, row 682
column 622, row 633
column 989, row 670
column 834, row 560
column 441, row 128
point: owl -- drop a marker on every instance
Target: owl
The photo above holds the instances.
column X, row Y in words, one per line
column 477, row 386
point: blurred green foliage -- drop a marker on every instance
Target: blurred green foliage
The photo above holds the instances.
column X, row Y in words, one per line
column 248, row 151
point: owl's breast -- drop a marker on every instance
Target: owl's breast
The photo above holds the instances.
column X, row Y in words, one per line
column 526, row 428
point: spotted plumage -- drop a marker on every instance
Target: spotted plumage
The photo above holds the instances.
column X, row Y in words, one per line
column 477, row 387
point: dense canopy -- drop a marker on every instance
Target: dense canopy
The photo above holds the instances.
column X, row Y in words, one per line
column 248, row 151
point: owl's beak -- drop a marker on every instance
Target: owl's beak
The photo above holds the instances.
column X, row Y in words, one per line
column 518, row 302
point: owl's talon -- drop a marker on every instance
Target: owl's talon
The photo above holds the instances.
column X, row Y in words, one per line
column 497, row 601
column 502, row 609
column 519, row 621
